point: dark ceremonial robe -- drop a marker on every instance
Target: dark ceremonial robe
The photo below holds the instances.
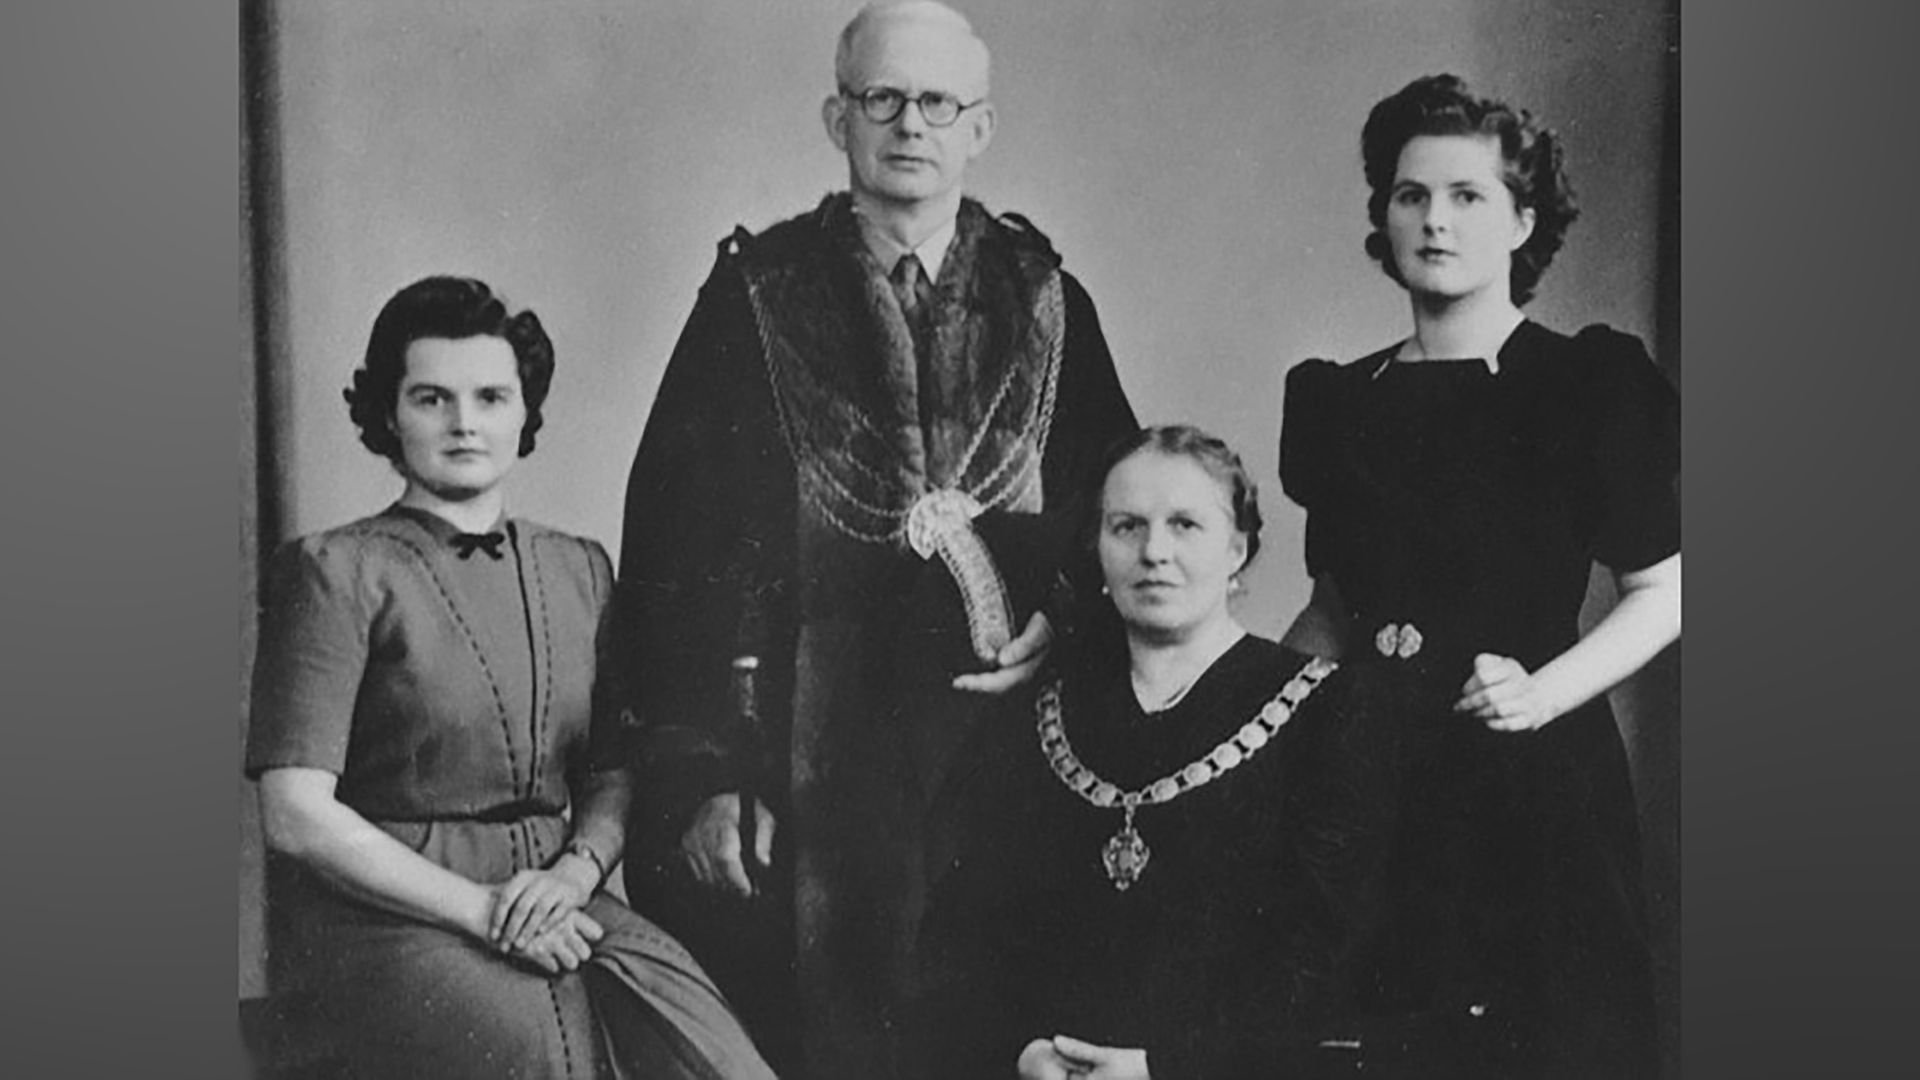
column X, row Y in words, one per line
column 765, row 515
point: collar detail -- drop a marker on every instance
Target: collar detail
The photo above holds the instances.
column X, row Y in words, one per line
column 465, row 544
column 872, row 425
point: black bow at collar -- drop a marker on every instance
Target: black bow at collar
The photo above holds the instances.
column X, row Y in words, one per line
column 465, row 544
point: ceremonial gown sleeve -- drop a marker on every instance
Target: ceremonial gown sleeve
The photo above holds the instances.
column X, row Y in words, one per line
column 706, row 552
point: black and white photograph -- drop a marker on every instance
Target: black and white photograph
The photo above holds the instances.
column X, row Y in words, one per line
column 1069, row 539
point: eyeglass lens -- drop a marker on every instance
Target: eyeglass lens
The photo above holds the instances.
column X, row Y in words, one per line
column 883, row 105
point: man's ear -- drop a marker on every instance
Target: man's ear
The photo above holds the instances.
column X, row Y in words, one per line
column 982, row 118
column 833, row 114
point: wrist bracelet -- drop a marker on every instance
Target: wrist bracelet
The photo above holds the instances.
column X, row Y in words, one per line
column 585, row 851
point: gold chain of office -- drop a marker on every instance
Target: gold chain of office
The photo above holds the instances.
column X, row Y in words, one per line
column 1126, row 853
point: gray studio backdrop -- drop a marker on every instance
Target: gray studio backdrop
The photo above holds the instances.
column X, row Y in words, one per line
column 1195, row 161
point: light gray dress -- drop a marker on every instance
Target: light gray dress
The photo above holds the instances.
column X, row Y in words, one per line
column 455, row 698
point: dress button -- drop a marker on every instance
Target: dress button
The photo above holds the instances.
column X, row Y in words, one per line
column 1387, row 640
column 1397, row 640
column 1410, row 642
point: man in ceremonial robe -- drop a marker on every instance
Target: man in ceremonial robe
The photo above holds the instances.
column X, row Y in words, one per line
column 855, row 498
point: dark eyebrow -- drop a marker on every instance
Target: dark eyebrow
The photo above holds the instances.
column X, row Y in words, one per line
column 1455, row 185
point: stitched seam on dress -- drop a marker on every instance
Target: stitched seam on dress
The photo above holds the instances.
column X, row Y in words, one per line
column 560, row 1021
column 493, row 685
column 541, row 688
column 546, row 632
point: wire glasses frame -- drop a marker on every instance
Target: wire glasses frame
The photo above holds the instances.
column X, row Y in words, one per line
column 884, row 104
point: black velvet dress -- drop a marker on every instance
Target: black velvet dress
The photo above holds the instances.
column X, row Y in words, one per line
column 1227, row 957
column 1470, row 506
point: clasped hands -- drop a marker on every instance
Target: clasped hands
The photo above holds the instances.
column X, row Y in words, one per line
column 537, row 915
column 1506, row 697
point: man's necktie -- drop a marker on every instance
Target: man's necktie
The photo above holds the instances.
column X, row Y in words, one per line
column 915, row 293
column 464, row 544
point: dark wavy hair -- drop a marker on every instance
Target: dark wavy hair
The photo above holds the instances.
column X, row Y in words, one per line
column 1530, row 157
column 1211, row 453
column 444, row 307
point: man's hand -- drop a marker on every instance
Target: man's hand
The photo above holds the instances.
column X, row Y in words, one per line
column 711, row 845
column 1018, row 660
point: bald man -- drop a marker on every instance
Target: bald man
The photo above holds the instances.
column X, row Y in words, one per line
column 862, row 471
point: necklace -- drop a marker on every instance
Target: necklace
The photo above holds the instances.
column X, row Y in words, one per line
column 1126, row 853
column 1213, row 648
column 1149, row 704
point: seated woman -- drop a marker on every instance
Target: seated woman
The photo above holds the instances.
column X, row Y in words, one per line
column 441, row 780
column 1168, row 881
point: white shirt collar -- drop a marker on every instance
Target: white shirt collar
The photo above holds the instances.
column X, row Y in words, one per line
column 932, row 251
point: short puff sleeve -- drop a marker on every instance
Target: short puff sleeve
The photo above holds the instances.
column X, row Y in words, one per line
column 1311, row 419
column 312, row 656
column 1634, row 450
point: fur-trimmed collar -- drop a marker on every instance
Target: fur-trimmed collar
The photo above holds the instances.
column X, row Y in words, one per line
column 849, row 386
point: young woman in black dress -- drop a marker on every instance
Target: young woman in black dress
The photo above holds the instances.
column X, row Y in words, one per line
column 1459, row 485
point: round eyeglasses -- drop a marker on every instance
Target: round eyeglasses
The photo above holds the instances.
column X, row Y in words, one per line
column 884, row 104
